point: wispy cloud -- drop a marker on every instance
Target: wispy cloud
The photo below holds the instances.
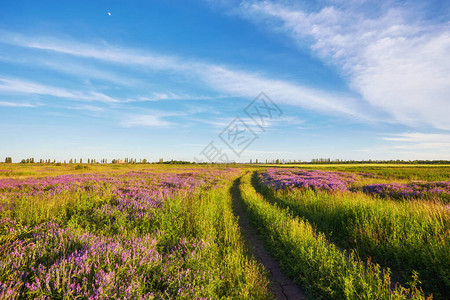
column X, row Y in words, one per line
column 411, row 145
column 223, row 122
column 103, row 52
column 90, row 108
column 18, row 86
column 151, row 118
column 168, row 96
column 396, row 61
column 229, row 81
column 417, row 140
column 245, row 84
column 72, row 68
column 144, row 120
column 16, row 104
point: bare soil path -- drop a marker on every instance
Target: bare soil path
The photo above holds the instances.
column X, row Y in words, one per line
column 282, row 287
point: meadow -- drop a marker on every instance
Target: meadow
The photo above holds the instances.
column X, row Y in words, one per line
column 149, row 231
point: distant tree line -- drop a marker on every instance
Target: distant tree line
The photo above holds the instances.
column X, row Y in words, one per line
column 256, row 161
column 27, row 161
column 339, row 161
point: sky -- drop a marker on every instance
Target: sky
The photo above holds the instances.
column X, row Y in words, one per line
column 225, row 80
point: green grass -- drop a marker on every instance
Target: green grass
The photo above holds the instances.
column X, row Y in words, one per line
column 385, row 171
column 325, row 241
column 409, row 236
column 318, row 265
column 221, row 267
column 208, row 217
column 43, row 170
column 59, row 208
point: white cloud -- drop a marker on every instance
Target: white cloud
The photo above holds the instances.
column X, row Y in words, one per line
column 90, row 108
column 280, row 121
column 145, row 120
column 8, row 85
column 420, row 141
column 102, row 52
column 16, row 104
column 398, row 65
column 74, row 68
column 150, row 118
column 410, row 146
column 168, row 96
column 224, row 79
column 245, row 84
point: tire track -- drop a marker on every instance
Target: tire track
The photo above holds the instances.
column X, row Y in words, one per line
column 282, row 287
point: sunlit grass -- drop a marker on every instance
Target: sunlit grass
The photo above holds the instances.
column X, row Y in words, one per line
column 408, row 236
column 90, row 243
column 188, row 244
column 319, row 266
column 386, row 171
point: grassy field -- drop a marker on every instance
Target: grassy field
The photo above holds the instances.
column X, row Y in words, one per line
column 407, row 236
column 170, row 231
column 126, row 235
column 385, row 171
column 324, row 270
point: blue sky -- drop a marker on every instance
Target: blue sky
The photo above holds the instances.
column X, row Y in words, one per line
column 162, row 79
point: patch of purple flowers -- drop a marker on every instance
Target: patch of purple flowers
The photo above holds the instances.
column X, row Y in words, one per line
column 314, row 179
column 341, row 181
column 50, row 260
column 89, row 262
column 410, row 190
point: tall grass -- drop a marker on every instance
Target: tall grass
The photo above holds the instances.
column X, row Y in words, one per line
column 37, row 170
column 57, row 208
column 80, row 244
column 324, row 271
column 386, row 171
column 409, row 236
column 208, row 217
